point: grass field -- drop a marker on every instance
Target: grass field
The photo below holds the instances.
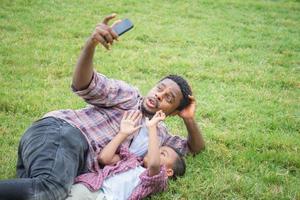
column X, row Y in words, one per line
column 242, row 59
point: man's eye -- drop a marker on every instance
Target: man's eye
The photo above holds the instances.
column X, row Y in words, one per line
column 159, row 88
column 169, row 99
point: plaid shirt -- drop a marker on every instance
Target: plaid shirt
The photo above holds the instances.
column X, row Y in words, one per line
column 99, row 122
column 147, row 184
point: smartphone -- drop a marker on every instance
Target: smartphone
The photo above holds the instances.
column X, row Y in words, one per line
column 124, row 26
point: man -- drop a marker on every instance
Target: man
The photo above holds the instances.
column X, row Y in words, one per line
column 65, row 143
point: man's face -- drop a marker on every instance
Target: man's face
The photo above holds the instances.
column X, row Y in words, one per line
column 165, row 96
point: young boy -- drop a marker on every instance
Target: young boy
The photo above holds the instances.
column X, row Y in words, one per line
column 125, row 175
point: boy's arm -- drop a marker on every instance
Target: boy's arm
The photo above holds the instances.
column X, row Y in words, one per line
column 153, row 152
column 108, row 154
column 153, row 147
column 128, row 126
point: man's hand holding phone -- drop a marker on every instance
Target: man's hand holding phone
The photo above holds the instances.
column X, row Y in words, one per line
column 105, row 34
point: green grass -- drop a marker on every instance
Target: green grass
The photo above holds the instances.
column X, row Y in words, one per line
column 242, row 59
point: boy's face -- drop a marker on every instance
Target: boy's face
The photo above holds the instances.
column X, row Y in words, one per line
column 165, row 96
column 167, row 157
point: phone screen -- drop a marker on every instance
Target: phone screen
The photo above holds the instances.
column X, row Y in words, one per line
column 123, row 27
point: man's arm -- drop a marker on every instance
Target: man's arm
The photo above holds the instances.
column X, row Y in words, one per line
column 195, row 139
column 83, row 72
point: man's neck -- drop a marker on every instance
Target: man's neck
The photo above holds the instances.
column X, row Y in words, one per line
column 146, row 113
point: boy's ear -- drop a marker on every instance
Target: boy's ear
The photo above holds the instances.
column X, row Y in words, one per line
column 170, row 172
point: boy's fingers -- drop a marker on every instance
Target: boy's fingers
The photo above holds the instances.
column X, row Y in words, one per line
column 156, row 114
column 130, row 114
column 137, row 118
column 136, row 128
column 135, row 114
column 125, row 115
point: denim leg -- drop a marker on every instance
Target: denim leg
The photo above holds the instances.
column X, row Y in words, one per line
column 51, row 154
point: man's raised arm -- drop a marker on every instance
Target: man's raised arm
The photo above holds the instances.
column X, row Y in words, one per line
column 195, row 139
column 103, row 34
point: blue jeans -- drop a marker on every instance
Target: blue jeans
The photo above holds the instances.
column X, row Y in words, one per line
column 51, row 154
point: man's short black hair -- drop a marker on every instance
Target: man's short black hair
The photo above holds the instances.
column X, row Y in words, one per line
column 185, row 90
column 179, row 165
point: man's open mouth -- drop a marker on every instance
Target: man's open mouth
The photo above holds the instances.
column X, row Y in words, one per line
column 151, row 102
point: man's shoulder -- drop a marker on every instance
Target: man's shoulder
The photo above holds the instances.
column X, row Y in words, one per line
column 124, row 84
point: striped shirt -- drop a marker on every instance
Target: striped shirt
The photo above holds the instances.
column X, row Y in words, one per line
column 99, row 122
column 147, row 184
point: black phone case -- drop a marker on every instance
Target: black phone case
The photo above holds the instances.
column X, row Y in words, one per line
column 123, row 27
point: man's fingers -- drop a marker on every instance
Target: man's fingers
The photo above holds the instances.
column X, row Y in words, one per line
column 113, row 33
column 106, row 35
column 116, row 22
column 108, row 38
column 109, row 17
column 101, row 40
column 104, row 43
column 192, row 98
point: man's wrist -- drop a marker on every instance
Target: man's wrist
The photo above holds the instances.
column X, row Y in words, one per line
column 91, row 43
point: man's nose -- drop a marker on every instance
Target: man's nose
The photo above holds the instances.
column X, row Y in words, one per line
column 159, row 96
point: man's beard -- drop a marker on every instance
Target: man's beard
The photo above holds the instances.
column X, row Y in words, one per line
column 146, row 112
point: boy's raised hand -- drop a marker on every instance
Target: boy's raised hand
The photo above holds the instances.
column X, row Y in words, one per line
column 159, row 116
column 129, row 122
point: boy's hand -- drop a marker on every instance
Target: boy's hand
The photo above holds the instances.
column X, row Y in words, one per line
column 129, row 121
column 159, row 116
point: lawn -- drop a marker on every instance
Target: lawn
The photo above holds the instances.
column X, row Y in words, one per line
column 242, row 59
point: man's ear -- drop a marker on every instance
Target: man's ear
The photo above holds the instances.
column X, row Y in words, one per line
column 170, row 172
column 175, row 112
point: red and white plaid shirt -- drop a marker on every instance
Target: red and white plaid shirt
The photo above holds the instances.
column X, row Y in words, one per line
column 99, row 122
column 147, row 184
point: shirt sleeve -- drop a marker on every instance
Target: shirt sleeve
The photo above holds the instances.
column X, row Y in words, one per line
column 173, row 141
column 105, row 92
column 150, row 184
